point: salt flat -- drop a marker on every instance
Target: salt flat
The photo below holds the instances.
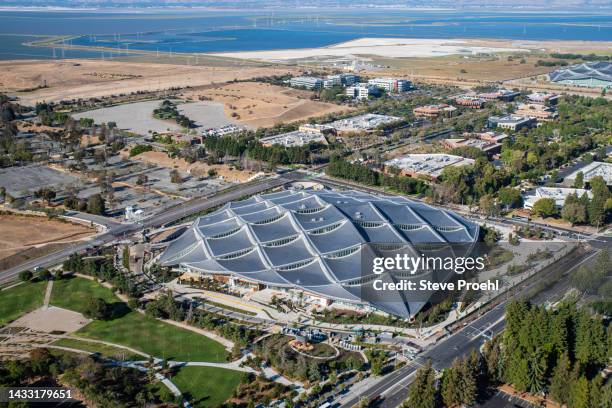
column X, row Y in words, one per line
column 383, row 47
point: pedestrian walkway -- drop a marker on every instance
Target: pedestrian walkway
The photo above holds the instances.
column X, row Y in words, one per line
column 48, row 293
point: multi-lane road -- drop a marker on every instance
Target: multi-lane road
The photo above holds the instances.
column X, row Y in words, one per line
column 117, row 231
column 392, row 389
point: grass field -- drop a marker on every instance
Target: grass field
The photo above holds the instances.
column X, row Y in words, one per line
column 207, row 386
column 102, row 349
column 157, row 338
column 74, row 293
column 21, row 299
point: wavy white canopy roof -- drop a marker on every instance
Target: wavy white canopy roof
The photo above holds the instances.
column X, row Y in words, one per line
column 312, row 240
column 600, row 70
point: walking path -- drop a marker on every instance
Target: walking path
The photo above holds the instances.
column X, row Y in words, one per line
column 48, row 293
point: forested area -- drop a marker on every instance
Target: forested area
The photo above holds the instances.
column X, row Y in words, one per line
column 557, row 353
column 247, row 145
column 338, row 167
column 99, row 383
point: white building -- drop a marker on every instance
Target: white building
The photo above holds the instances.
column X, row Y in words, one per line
column 294, row 139
column 511, row 122
column 594, row 169
column 362, row 91
column 557, row 194
column 391, row 85
column 430, row 165
column 306, row 82
column 367, row 122
column 222, row 131
column 340, row 80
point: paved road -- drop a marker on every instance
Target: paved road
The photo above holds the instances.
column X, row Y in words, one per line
column 118, row 231
column 393, row 389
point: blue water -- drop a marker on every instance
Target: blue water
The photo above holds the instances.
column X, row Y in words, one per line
column 217, row 31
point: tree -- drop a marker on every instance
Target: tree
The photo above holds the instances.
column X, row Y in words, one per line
column 574, row 213
column 175, row 176
column 450, row 389
column 44, row 274
column 510, row 197
column 46, row 194
column 97, row 308
column 96, row 204
column 423, row 392
column 545, row 207
column 142, row 179
column 561, row 380
column 579, row 393
column 25, row 276
column 598, row 208
column 579, row 181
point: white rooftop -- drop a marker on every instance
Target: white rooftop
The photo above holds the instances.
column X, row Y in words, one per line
column 595, row 169
column 556, row 193
column 369, row 121
column 295, row 138
column 428, row 164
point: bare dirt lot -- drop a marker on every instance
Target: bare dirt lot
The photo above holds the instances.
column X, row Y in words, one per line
column 51, row 318
column 22, row 232
column 68, row 79
column 259, row 104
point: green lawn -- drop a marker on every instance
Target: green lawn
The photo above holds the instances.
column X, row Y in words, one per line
column 20, row 300
column 103, row 349
column 207, row 386
column 134, row 329
column 73, row 293
column 157, row 338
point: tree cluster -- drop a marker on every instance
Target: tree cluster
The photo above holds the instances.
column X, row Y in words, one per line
column 338, row 167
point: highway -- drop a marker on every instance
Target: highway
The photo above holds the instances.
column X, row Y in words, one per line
column 392, row 389
column 117, row 231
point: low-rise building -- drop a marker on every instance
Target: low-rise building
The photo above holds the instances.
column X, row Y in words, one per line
column 556, row 193
column 433, row 111
column 543, row 97
column 470, row 102
column 541, row 112
column 362, row 91
column 428, row 165
column 490, row 148
column 391, row 85
column 316, row 128
column 222, row 131
column 592, row 170
column 511, row 122
column 494, row 137
column 294, row 139
column 363, row 123
column 340, row 80
column 501, row 94
column 307, row 82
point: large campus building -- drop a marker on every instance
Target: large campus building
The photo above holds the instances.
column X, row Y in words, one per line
column 313, row 242
column 588, row 74
column 428, row 165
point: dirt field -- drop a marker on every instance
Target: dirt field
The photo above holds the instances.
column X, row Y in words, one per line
column 260, row 105
column 51, row 318
column 196, row 169
column 20, row 233
column 69, row 79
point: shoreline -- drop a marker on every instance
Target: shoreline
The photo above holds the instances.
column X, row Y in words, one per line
column 386, row 47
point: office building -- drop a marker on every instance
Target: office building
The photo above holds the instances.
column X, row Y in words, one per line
column 314, row 243
column 306, row 82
